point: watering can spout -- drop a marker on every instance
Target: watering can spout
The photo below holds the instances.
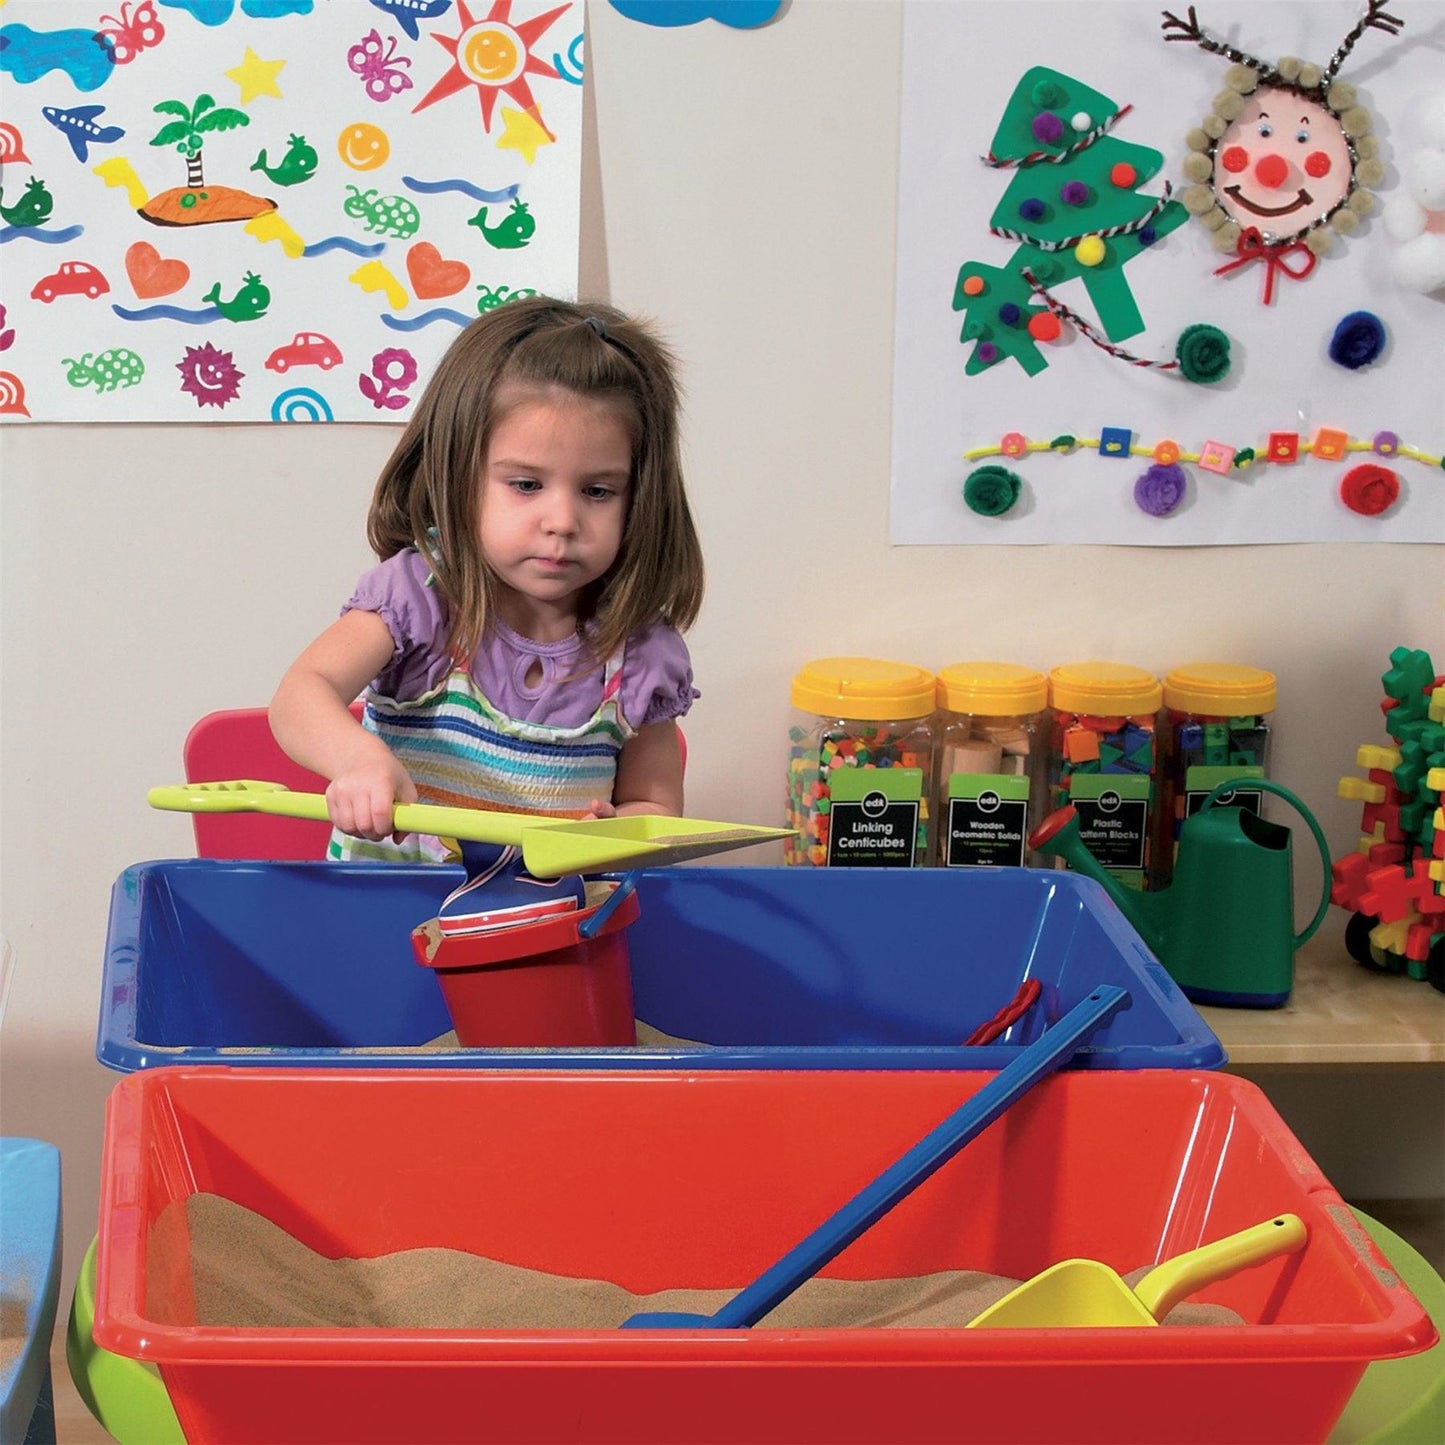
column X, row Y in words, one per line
column 1059, row 834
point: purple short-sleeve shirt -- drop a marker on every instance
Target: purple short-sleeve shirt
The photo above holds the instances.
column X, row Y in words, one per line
column 656, row 673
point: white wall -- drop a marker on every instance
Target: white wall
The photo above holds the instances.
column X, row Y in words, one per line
column 740, row 189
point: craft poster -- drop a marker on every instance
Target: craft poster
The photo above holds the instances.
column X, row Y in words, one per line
column 1170, row 274
column 273, row 210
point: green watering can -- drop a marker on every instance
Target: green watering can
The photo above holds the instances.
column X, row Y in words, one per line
column 1224, row 929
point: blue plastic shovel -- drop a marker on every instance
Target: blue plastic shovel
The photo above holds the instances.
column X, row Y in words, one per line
column 1039, row 1059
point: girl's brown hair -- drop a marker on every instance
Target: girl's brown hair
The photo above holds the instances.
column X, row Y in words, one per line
column 428, row 492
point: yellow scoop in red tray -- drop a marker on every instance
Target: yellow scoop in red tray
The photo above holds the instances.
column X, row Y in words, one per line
column 551, row 847
column 1083, row 1292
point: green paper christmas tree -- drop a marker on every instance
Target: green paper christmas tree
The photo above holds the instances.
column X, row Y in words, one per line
column 1074, row 207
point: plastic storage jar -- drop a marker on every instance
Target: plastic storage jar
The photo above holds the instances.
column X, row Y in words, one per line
column 1103, row 759
column 991, row 788
column 1216, row 727
column 860, row 764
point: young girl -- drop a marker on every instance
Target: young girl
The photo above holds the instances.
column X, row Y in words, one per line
column 538, row 563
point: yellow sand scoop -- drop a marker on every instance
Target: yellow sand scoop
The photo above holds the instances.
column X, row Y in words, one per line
column 1085, row 1293
column 551, row 847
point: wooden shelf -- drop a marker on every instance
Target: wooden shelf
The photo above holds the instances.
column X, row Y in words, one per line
column 1338, row 1013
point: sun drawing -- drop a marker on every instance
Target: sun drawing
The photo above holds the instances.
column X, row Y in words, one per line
column 493, row 54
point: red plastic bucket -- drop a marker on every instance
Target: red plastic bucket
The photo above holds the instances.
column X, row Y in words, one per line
column 542, row 985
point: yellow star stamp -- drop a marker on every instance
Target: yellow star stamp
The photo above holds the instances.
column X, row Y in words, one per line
column 256, row 76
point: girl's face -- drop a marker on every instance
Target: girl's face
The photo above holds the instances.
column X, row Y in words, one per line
column 554, row 497
column 1282, row 165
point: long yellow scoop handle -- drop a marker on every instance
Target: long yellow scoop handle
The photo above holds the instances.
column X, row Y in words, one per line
column 1176, row 1279
column 251, row 796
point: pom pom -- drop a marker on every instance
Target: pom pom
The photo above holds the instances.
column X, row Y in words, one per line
column 1369, row 489
column 1310, row 76
column 1197, row 167
column 1243, row 78
column 1203, row 353
column 1146, row 235
column 1214, row 126
column 1198, row 139
column 986, row 352
column 1213, row 219
column 1361, row 203
column 1424, row 176
column 1046, row 94
column 1289, row 68
column 1197, row 199
column 1345, row 221
column 1044, row 326
column 1047, row 269
column 1367, row 147
column 1403, row 219
column 1032, row 209
column 1047, row 127
column 1228, row 103
column 1358, row 340
column 972, row 285
column 1319, row 241
column 1356, row 121
column 991, row 491
column 1090, row 251
column 1419, row 265
column 1370, row 173
column 1226, row 239
column 1160, row 489
column 1009, row 313
column 1341, row 96
column 1081, row 120
column 1124, row 175
column 1073, row 193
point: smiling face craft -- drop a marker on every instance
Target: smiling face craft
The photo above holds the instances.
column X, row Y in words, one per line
column 1285, row 157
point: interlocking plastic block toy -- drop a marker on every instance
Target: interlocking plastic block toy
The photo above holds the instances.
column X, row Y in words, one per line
column 1394, row 883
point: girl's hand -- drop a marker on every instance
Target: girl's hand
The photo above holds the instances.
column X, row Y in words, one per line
column 360, row 800
column 599, row 808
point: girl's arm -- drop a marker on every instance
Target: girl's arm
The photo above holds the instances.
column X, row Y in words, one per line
column 311, row 718
column 649, row 775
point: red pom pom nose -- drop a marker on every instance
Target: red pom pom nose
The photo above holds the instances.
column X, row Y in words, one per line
column 1270, row 170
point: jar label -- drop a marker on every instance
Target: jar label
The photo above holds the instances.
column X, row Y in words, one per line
column 874, row 817
column 1199, row 781
column 987, row 820
column 1113, row 813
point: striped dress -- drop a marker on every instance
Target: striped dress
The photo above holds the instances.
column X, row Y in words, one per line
column 461, row 752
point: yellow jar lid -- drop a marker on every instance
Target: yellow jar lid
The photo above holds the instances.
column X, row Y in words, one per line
column 992, row 689
column 1226, row 689
column 863, row 687
column 1108, row 689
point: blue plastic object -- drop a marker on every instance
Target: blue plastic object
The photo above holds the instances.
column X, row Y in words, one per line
column 901, row 1178
column 218, row 961
column 30, row 1285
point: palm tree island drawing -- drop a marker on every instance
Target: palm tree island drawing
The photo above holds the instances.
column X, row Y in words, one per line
column 196, row 203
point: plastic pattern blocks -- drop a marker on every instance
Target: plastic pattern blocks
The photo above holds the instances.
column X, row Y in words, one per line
column 1394, row 882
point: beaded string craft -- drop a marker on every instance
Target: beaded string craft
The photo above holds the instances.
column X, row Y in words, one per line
column 1285, row 157
column 1369, row 488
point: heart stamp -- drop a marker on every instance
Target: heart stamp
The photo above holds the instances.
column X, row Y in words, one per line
column 432, row 275
column 152, row 274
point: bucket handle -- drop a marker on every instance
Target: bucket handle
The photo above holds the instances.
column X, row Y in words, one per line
column 1231, row 784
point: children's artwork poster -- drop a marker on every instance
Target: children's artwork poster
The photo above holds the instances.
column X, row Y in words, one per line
column 1170, row 274
column 274, row 210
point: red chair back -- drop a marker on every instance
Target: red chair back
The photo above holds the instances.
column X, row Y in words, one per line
column 237, row 743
